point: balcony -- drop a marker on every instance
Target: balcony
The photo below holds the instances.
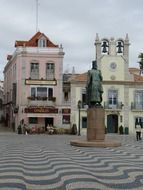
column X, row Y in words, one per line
column 117, row 106
column 31, row 98
column 137, row 106
column 41, row 101
column 44, row 98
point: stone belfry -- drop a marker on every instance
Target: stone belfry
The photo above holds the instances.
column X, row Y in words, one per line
column 113, row 49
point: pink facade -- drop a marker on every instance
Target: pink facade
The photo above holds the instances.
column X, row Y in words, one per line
column 33, row 84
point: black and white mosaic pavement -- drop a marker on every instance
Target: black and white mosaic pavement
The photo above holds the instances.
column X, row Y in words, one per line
column 49, row 162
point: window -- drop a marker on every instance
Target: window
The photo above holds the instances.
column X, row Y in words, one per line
column 34, row 71
column 138, row 99
column 33, row 120
column 66, row 96
column 50, row 71
column 34, row 67
column 84, row 122
column 112, row 97
column 42, row 91
column 66, row 119
column 50, row 93
column 33, row 92
column 42, row 42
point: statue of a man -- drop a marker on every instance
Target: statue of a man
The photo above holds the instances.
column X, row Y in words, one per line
column 94, row 86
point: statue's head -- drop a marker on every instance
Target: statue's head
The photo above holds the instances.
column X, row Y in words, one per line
column 94, row 64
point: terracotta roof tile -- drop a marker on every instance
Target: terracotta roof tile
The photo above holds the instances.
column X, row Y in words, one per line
column 138, row 78
column 80, row 77
column 33, row 42
column 134, row 70
column 83, row 76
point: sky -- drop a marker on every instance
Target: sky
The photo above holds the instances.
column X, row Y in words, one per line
column 74, row 24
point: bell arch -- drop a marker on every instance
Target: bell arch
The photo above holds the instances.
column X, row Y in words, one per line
column 105, row 46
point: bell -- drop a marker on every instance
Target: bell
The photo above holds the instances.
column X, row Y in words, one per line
column 119, row 46
column 104, row 45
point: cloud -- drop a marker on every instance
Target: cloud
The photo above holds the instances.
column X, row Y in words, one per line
column 73, row 24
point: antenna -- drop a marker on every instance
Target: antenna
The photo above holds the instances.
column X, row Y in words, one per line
column 37, row 4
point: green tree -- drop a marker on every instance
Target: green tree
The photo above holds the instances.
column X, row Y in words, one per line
column 141, row 62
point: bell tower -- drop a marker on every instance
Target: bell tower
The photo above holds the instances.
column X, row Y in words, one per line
column 112, row 57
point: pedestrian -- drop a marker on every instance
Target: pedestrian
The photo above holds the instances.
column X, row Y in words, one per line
column 141, row 132
column 138, row 132
column 50, row 129
column 19, row 129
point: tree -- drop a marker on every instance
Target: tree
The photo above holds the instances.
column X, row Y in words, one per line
column 141, row 62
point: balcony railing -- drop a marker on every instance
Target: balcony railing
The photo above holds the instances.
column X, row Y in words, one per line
column 43, row 98
column 38, row 50
column 137, row 106
column 118, row 105
column 41, row 101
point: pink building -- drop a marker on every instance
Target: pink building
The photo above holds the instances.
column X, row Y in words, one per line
column 33, row 84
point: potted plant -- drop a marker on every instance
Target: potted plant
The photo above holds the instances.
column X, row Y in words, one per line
column 31, row 97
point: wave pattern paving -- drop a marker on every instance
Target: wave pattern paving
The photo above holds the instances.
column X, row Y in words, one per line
column 42, row 162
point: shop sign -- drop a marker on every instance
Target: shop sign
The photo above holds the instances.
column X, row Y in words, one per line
column 40, row 82
column 41, row 110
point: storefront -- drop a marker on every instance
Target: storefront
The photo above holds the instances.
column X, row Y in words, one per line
column 47, row 116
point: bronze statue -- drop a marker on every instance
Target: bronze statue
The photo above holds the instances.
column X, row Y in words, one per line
column 94, row 86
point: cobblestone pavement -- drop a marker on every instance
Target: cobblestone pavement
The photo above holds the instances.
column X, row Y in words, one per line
column 47, row 162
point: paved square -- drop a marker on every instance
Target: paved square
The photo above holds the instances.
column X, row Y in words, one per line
column 46, row 162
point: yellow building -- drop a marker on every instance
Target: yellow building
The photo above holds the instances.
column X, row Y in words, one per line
column 123, row 88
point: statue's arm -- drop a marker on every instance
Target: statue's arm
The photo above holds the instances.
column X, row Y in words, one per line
column 100, row 75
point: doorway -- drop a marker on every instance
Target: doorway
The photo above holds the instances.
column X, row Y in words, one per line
column 84, row 122
column 48, row 121
column 112, row 123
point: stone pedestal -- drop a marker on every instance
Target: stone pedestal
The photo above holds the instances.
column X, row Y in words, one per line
column 95, row 124
column 95, row 131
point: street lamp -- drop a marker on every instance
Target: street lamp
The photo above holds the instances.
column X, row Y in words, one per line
column 79, row 107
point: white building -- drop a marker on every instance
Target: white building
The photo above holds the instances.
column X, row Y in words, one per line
column 123, row 88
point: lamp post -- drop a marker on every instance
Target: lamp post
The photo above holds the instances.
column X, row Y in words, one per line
column 79, row 107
